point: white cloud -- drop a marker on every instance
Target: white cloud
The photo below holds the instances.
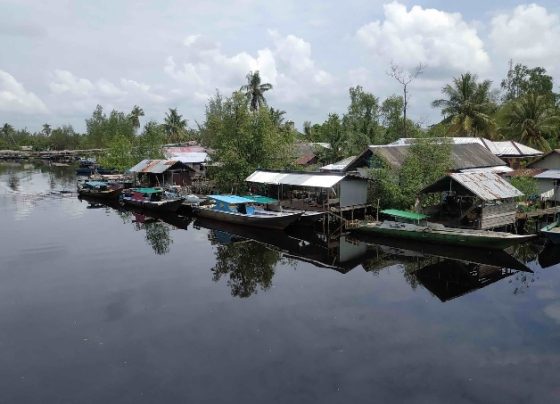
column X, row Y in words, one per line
column 287, row 64
column 15, row 98
column 528, row 34
column 102, row 91
column 66, row 83
column 423, row 35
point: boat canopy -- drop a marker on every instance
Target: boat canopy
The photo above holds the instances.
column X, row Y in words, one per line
column 96, row 184
column 147, row 190
column 404, row 214
column 231, row 199
column 263, row 200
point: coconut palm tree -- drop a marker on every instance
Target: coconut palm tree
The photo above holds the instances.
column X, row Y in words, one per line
column 530, row 119
column 468, row 107
column 135, row 115
column 175, row 126
column 254, row 90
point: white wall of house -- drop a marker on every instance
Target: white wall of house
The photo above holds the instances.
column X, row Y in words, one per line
column 353, row 192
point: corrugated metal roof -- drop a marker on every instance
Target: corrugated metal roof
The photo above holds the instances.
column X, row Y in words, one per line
column 339, row 165
column 487, row 186
column 495, row 170
column 153, row 166
column 549, row 174
column 317, row 180
column 191, row 157
column 463, row 156
column 507, row 148
column 525, row 172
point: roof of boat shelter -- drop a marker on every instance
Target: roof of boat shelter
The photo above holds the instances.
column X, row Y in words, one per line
column 230, row 199
column 301, row 179
column 157, row 166
column 487, row 186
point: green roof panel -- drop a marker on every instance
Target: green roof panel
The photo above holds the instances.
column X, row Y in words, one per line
column 405, row 214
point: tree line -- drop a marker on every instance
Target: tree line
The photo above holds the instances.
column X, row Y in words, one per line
column 245, row 133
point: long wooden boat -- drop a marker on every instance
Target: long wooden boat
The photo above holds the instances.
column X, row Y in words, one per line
column 238, row 210
column 99, row 189
column 552, row 232
column 438, row 233
column 151, row 198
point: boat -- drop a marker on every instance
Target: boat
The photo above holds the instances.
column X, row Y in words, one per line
column 239, row 210
column 308, row 217
column 153, row 198
column 552, row 231
column 99, row 189
column 422, row 230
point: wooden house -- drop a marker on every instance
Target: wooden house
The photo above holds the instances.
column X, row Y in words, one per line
column 479, row 200
column 163, row 172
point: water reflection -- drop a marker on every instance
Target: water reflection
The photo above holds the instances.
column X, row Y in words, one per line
column 248, row 265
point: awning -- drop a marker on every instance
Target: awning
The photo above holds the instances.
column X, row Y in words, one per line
column 312, row 180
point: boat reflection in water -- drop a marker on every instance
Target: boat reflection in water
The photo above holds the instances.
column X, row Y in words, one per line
column 247, row 257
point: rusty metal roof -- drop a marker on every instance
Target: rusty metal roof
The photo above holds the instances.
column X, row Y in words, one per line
column 487, row 186
column 156, row 166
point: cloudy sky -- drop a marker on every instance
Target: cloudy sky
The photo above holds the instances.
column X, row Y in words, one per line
column 61, row 58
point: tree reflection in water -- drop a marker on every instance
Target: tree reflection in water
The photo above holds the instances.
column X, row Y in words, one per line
column 250, row 265
column 158, row 237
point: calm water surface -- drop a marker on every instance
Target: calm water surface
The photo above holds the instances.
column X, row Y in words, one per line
column 99, row 305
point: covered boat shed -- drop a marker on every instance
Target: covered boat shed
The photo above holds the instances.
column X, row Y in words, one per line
column 163, row 172
column 321, row 191
column 479, row 200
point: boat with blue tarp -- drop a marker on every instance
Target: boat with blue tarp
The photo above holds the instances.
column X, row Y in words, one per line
column 154, row 198
column 245, row 211
column 412, row 225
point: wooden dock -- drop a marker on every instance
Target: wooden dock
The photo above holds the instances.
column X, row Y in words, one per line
column 538, row 213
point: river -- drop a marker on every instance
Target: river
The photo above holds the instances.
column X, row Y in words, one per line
column 102, row 305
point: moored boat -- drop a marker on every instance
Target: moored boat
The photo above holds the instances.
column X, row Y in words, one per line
column 552, row 231
column 152, row 198
column 438, row 233
column 99, row 189
column 239, row 210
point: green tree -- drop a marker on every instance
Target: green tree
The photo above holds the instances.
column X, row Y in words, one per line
column 243, row 140
column 361, row 122
column 333, row 133
column 150, row 142
column 254, row 90
column 531, row 119
column 521, row 80
column 427, row 160
column 135, row 115
column 46, row 130
column 527, row 185
column 468, row 108
column 175, row 126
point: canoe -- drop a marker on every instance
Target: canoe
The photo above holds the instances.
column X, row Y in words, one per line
column 437, row 233
column 238, row 210
column 552, row 232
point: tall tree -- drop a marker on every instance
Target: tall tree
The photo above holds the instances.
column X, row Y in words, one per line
column 405, row 78
column 531, row 120
column 521, row 80
column 254, row 90
column 468, row 106
column 361, row 122
column 46, row 130
column 135, row 115
column 175, row 126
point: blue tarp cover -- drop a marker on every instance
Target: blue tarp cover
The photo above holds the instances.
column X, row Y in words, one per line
column 230, row 199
